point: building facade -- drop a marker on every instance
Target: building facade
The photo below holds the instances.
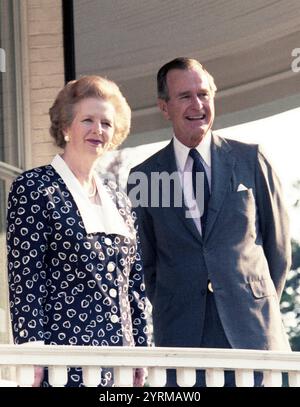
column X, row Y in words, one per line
column 32, row 39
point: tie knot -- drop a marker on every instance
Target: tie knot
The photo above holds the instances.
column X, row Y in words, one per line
column 194, row 154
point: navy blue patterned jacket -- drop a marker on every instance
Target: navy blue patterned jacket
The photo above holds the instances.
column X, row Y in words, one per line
column 67, row 286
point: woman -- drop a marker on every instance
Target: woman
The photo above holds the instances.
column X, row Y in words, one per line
column 75, row 274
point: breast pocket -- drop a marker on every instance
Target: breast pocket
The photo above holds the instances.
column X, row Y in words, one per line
column 242, row 201
column 238, row 219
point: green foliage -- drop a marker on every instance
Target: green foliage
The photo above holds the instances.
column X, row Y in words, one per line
column 290, row 301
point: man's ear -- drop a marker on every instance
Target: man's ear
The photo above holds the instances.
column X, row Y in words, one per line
column 162, row 104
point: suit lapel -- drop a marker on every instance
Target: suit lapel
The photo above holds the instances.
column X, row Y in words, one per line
column 167, row 162
column 222, row 167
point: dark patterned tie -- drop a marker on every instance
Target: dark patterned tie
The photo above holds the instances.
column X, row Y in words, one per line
column 198, row 167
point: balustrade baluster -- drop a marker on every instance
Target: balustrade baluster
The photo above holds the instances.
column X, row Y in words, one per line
column 186, row 376
column 272, row 378
column 91, row 375
column 157, row 376
column 25, row 375
column 294, row 379
column 123, row 376
column 214, row 377
column 58, row 376
column 244, row 378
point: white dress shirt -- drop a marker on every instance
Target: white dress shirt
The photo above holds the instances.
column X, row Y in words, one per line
column 185, row 165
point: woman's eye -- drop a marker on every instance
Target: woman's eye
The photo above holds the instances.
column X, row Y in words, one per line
column 107, row 124
column 87, row 120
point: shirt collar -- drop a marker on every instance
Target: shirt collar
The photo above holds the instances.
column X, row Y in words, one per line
column 182, row 151
column 106, row 218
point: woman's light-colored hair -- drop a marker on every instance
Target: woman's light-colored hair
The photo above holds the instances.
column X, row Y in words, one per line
column 63, row 109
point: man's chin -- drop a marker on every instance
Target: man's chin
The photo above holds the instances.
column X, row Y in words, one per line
column 201, row 133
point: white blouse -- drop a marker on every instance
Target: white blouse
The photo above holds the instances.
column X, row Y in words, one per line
column 103, row 217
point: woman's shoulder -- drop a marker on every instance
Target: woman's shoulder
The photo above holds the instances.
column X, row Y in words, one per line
column 34, row 178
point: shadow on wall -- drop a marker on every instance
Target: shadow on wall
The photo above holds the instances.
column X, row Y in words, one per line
column 115, row 165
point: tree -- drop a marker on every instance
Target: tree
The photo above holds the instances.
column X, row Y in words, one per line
column 290, row 302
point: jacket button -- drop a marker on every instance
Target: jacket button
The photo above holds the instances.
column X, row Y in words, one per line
column 114, row 318
column 111, row 266
column 113, row 292
column 107, row 241
column 203, row 291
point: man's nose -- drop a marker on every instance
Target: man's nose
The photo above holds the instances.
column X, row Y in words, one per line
column 197, row 101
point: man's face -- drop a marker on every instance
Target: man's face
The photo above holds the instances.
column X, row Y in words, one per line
column 190, row 106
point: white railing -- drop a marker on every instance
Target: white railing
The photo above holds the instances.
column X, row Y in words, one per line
column 123, row 359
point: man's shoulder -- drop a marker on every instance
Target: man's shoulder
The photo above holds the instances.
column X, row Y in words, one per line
column 237, row 147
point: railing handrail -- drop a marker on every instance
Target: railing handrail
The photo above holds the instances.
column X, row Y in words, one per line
column 148, row 357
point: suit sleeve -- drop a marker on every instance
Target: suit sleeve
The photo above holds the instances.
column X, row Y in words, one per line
column 26, row 250
column 148, row 245
column 274, row 222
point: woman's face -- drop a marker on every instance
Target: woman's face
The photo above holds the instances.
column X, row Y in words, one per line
column 92, row 129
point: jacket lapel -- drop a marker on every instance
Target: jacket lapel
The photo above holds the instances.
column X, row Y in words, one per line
column 222, row 167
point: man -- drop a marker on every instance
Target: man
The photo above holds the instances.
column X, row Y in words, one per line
column 214, row 281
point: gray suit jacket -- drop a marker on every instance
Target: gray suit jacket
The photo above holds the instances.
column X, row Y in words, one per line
column 245, row 252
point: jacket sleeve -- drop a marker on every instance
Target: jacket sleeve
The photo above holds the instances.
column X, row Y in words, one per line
column 274, row 222
column 26, row 250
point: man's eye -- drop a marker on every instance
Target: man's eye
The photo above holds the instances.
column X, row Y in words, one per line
column 87, row 120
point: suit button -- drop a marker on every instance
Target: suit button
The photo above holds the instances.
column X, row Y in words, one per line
column 203, row 292
column 210, row 287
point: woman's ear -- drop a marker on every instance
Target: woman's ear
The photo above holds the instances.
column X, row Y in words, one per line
column 66, row 134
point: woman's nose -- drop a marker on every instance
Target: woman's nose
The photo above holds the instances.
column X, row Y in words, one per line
column 98, row 128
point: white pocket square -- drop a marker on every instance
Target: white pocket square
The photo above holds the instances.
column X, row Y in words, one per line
column 241, row 187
